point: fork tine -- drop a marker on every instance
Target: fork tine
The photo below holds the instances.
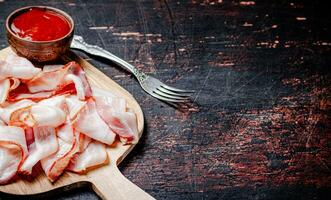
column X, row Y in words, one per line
column 176, row 89
column 174, row 93
column 170, row 96
column 165, row 98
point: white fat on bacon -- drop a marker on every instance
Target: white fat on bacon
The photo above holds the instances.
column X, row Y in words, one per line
column 9, row 108
column 66, row 131
column 74, row 106
column 112, row 110
column 6, row 85
column 13, row 151
column 45, row 144
column 4, row 90
column 55, row 164
column 56, row 101
column 91, row 124
column 47, row 80
column 38, row 116
column 98, row 92
column 95, row 154
column 9, row 162
column 48, row 112
column 76, row 70
column 17, row 67
column 78, row 85
column 82, row 141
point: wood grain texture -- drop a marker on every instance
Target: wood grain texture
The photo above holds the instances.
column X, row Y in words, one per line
column 262, row 74
column 107, row 181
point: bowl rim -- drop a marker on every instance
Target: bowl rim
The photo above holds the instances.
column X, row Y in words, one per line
column 58, row 11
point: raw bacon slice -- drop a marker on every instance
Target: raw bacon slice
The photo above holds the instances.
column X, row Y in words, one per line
column 94, row 155
column 13, row 151
column 17, row 67
column 66, row 132
column 13, row 135
column 74, row 106
column 98, row 92
column 4, row 90
column 52, row 82
column 22, row 92
column 9, row 108
column 7, row 85
column 77, row 70
column 10, row 159
column 116, row 104
column 91, row 124
column 125, row 125
column 47, row 81
column 122, row 123
column 83, row 141
column 78, row 85
column 38, row 116
column 45, row 145
column 54, row 164
column 113, row 111
column 56, row 101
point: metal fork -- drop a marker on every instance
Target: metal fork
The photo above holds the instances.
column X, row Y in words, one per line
column 151, row 85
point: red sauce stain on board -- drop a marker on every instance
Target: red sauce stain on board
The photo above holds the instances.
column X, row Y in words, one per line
column 40, row 24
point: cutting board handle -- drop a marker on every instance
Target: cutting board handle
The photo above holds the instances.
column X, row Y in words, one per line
column 113, row 185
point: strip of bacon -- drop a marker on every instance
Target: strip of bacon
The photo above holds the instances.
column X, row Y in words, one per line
column 47, row 81
column 78, row 85
column 74, row 106
column 45, row 145
column 17, row 67
column 15, row 135
column 53, row 82
column 77, row 70
column 13, row 151
column 94, row 155
column 6, row 85
column 113, row 111
column 91, row 124
column 66, row 131
column 37, row 116
column 55, row 164
column 22, row 92
column 9, row 108
column 4, row 90
column 55, row 101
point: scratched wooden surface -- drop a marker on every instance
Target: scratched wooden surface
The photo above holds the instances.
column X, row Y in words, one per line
column 262, row 74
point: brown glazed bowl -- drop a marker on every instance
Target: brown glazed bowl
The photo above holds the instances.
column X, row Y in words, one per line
column 39, row 51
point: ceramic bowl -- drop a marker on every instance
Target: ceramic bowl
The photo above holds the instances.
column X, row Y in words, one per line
column 39, row 51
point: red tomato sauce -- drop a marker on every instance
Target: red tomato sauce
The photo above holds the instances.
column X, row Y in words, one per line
column 38, row 24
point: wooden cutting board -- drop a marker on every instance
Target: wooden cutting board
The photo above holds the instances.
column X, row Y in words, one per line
column 107, row 181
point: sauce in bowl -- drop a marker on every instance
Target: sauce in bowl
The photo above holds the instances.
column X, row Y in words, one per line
column 38, row 24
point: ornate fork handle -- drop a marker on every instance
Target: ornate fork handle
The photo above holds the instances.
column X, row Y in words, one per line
column 79, row 43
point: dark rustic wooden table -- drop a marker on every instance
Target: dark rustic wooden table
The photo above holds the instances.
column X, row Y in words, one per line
column 261, row 70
